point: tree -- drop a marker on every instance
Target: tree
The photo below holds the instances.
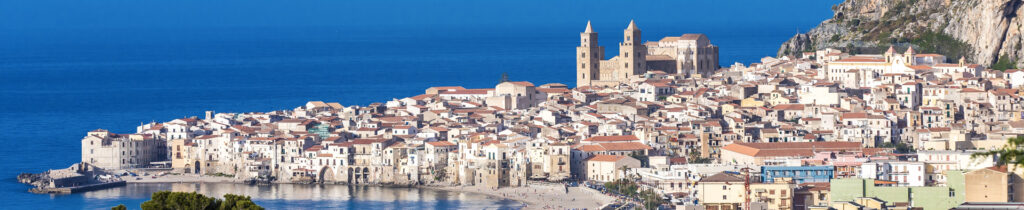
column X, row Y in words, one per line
column 1004, row 63
column 504, row 77
column 899, row 147
column 120, row 207
column 651, row 199
column 238, row 202
column 1010, row 154
column 624, row 169
column 644, row 160
column 167, row 200
column 694, row 157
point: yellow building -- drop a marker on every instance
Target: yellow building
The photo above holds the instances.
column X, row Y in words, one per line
column 993, row 184
column 725, row 191
column 181, row 155
column 751, row 102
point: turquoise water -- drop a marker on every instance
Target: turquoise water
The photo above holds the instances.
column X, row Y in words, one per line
column 65, row 71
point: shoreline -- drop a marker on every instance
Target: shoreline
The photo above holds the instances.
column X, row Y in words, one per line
column 535, row 196
column 541, row 196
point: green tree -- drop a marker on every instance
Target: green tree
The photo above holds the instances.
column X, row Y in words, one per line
column 504, row 77
column 238, row 202
column 1010, row 154
column 899, row 147
column 1004, row 63
column 167, row 200
column 651, row 199
column 644, row 160
column 120, row 207
column 695, row 158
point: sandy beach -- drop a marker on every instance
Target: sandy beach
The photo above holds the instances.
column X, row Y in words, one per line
column 181, row 178
column 543, row 196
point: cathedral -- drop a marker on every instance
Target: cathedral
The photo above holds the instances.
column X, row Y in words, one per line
column 689, row 55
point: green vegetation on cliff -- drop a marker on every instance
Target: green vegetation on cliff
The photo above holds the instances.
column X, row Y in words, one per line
column 1005, row 63
column 871, row 26
column 930, row 41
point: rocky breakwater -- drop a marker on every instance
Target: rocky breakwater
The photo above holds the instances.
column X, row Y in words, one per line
column 79, row 177
column 984, row 31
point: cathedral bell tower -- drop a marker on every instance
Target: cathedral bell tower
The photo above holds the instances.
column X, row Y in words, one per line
column 588, row 58
column 632, row 52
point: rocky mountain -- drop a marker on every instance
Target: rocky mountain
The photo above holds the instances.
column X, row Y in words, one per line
column 985, row 31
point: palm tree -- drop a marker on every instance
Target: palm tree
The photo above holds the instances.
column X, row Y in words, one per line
column 1010, row 154
column 624, row 169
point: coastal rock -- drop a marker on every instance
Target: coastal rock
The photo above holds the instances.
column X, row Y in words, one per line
column 36, row 180
column 981, row 30
column 76, row 176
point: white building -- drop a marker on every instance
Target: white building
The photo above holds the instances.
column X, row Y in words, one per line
column 112, row 151
column 903, row 172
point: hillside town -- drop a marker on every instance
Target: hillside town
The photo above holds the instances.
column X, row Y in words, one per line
column 824, row 130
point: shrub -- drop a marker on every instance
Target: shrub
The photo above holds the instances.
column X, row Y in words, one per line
column 1004, row 63
column 167, row 200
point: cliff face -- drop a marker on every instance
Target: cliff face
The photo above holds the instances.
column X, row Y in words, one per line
column 981, row 30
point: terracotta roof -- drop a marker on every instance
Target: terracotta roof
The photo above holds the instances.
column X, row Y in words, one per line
column 970, row 90
column 781, row 149
column 441, row 143
column 613, row 138
column 553, row 90
column 606, row 158
column 1001, row 168
column 794, row 107
column 467, row 92
column 590, row 148
column 724, row 177
column 862, row 59
column 816, row 186
column 523, row 83
column 625, row 146
column 421, row 97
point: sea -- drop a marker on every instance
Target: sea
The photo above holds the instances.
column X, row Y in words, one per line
column 58, row 83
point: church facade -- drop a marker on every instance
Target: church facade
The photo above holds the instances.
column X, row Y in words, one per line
column 689, row 55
